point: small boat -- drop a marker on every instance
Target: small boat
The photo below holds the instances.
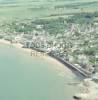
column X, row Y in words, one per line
column 80, row 97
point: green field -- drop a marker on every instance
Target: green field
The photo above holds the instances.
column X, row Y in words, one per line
column 22, row 9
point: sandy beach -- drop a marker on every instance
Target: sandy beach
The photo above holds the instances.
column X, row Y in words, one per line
column 57, row 65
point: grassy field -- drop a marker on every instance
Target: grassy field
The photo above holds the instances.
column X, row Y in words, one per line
column 25, row 9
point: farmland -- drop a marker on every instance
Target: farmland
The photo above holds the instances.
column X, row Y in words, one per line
column 27, row 9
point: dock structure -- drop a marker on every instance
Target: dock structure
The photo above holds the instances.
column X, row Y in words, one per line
column 81, row 71
column 73, row 67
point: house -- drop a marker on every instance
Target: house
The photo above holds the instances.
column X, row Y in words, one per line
column 18, row 38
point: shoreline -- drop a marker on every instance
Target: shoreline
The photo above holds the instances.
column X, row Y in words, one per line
column 57, row 65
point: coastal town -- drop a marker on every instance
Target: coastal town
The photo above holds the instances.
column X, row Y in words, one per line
column 48, row 49
column 75, row 44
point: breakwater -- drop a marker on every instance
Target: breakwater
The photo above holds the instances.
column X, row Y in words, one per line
column 72, row 67
column 81, row 71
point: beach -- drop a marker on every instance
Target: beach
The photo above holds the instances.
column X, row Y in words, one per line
column 35, row 77
column 57, row 65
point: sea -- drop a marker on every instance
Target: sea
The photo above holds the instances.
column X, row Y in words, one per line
column 23, row 77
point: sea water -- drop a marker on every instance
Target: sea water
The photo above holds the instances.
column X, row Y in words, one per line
column 23, row 77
